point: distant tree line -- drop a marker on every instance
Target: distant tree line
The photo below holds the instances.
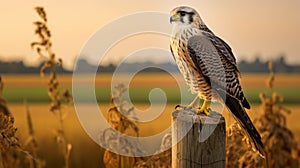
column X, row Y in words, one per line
column 259, row 66
column 82, row 66
column 18, row 67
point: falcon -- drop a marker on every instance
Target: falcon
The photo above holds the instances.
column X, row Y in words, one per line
column 209, row 68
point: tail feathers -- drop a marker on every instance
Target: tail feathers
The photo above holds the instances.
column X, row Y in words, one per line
column 245, row 122
column 245, row 103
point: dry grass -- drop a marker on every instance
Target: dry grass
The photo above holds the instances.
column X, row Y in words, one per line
column 111, row 139
column 9, row 143
column 31, row 143
column 86, row 152
column 120, row 114
column 89, row 154
column 12, row 152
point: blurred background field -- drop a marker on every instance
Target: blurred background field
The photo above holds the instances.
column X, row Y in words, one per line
column 86, row 152
column 31, row 87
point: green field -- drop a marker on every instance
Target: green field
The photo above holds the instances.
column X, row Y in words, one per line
column 34, row 89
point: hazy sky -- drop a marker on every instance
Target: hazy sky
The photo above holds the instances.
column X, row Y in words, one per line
column 267, row 28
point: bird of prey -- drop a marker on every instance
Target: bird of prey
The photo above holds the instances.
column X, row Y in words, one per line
column 209, row 68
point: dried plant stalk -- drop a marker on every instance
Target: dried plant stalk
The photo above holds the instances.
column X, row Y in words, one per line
column 44, row 48
column 31, row 144
column 119, row 116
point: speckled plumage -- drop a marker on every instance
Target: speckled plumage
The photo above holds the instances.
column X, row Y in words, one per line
column 209, row 66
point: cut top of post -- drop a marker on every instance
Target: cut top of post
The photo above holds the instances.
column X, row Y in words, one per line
column 189, row 115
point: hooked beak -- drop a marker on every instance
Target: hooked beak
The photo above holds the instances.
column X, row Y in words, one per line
column 174, row 17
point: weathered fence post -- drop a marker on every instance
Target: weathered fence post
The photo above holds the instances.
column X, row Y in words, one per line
column 200, row 140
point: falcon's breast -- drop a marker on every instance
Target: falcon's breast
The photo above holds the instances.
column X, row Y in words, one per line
column 193, row 77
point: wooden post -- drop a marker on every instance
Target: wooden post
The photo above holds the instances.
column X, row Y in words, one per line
column 200, row 140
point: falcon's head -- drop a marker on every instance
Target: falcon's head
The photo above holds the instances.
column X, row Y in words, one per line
column 185, row 15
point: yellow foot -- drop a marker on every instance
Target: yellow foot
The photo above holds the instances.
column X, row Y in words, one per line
column 204, row 108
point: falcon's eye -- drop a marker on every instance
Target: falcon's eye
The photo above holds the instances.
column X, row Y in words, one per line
column 182, row 13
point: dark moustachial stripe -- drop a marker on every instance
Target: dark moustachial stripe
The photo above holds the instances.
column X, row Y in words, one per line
column 191, row 17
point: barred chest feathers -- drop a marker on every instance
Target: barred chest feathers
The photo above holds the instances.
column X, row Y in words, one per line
column 192, row 77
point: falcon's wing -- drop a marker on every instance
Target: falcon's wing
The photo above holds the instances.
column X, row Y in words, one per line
column 222, row 47
column 215, row 61
column 219, row 71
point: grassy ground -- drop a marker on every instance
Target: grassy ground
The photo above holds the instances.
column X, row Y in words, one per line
column 86, row 153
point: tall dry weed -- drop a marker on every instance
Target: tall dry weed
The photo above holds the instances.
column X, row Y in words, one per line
column 31, row 144
column 119, row 117
column 44, row 48
column 111, row 137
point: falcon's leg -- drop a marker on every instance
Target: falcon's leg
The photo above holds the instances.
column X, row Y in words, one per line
column 204, row 108
column 192, row 105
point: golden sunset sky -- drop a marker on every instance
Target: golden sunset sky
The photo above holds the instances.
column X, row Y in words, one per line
column 267, row 28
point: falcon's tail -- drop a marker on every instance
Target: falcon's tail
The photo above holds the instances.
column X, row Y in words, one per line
column 245, row 122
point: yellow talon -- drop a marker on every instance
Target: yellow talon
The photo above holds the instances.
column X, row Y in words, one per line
column 204, row 108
